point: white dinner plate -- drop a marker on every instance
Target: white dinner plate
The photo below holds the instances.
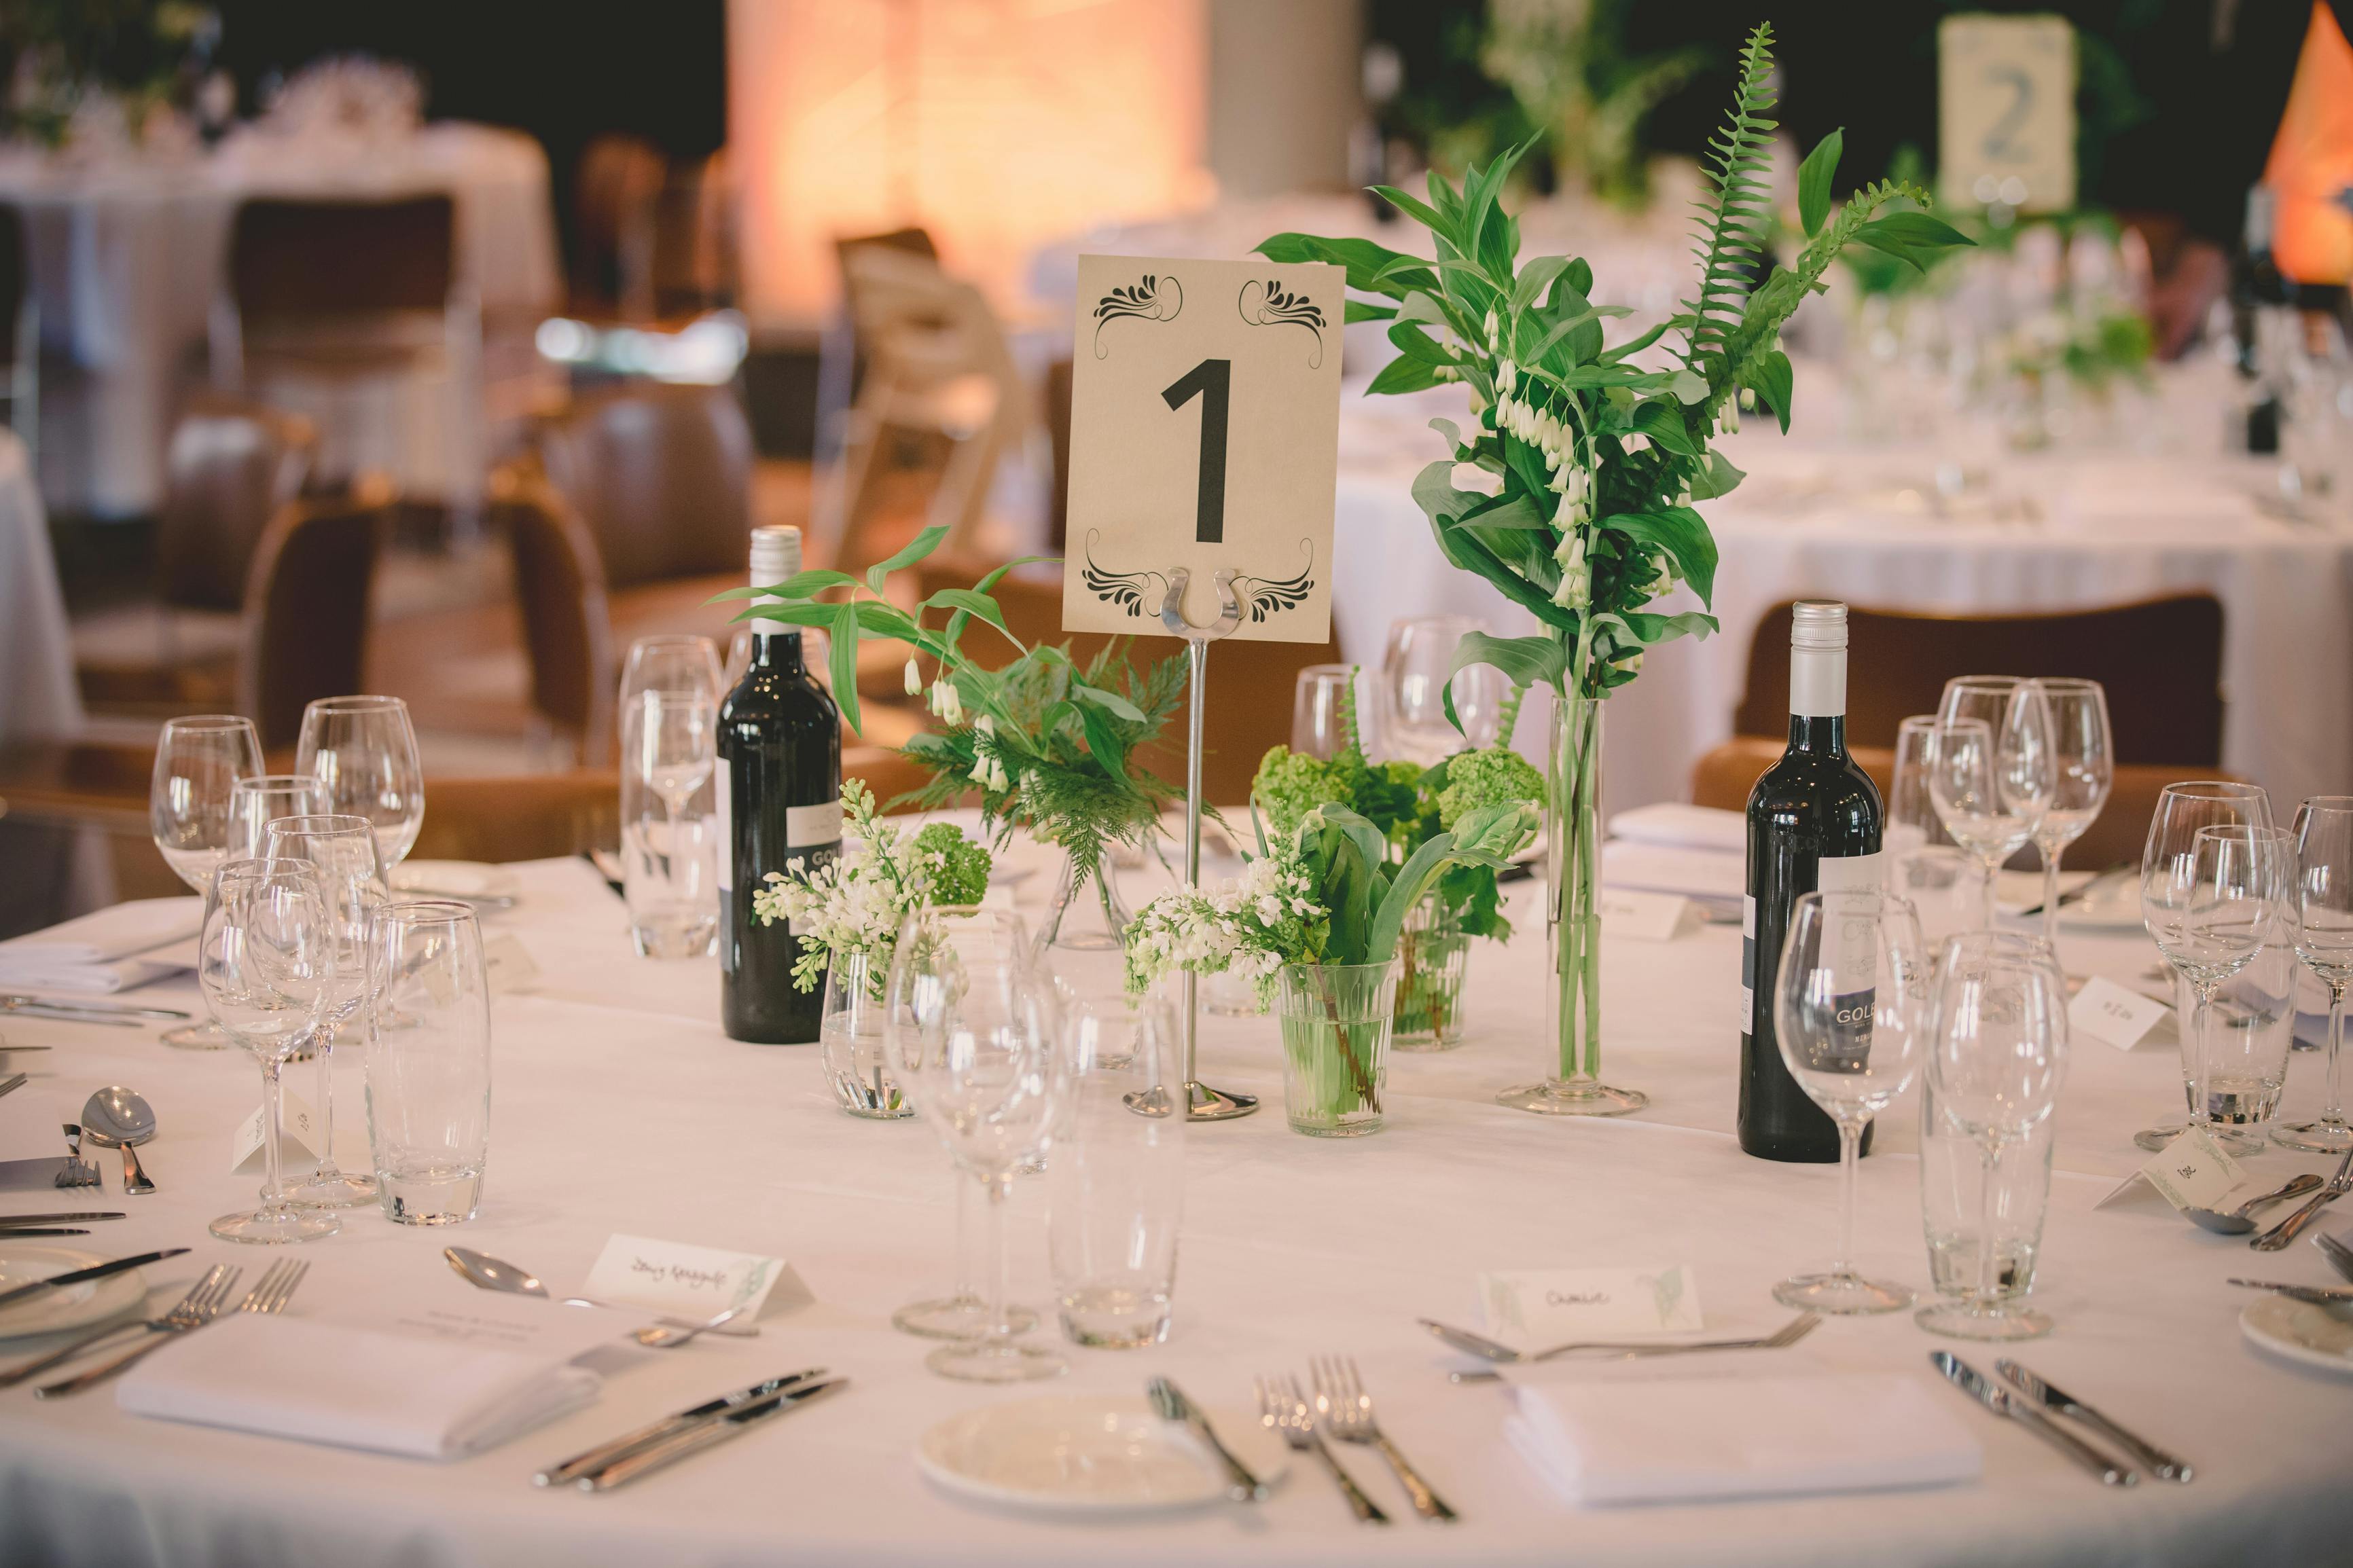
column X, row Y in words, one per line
column 82, row 1306
column 458, row 879
column 2300, row 1330
column 1091, row 1454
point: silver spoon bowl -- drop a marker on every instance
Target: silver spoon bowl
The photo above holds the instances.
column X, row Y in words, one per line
column 116, row 1118
column 2241, row 1220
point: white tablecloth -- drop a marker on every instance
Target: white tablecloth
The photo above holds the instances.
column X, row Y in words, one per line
column 38, row 699
column 621, row 1107
column 128, row 259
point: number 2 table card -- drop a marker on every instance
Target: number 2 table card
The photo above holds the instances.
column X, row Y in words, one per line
column 1205, row 430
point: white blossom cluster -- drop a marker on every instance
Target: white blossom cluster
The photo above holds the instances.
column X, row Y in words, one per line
column 853, row 904
column 1252, row 925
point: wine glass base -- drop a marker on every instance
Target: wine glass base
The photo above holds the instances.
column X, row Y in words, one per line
column 197, row 1038
column 1967, row 1321
column 957, row 1318
column 2230, row 1140
column 333, row 1190
column 2322, row 1137
column 995, row 1361
column 1203, row 1103
column 1841, row 1295
column 276, row 1227
column 1573, row 1097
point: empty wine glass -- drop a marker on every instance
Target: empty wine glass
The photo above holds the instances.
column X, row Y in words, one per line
column 265, row 962
column 198, row 760
column 1965, row 781
column 670, row 662
column 1416, row 672
column 1996, row 1053
column 350, row 877
column 2324, row 939
column 2083, row 767
column 1912, row 819
column 977, row 1053
column 1322, row 710
column 2023, row 768
column 1846, row 1010
column 363, row 748
column 676, row 739
column 258, row 801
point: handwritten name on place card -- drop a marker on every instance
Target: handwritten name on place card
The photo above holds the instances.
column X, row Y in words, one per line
column 2107, row 1012
column 1543, row 1307
column 691, row 1281
column 300, row 1124
column 2190, row 1172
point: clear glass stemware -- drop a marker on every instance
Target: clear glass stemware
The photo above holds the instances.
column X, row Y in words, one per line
column 199, row 761
column 2017, row 764
column 2084, row 767
column 1417, row 674
column 344, row 849
column 2324, row 939
column 363, row 750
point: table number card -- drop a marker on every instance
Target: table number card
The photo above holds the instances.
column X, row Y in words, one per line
column 1535, row 1308
column 2005, row 120
column 689, row 1281
column 1205, row 431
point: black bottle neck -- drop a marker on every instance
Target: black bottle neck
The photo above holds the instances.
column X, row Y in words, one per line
column 776, row 652
column 1817, row 735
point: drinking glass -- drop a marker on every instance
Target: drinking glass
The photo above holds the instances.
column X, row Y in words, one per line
column 1847, row 1006
column 1953, row 1202
column 670, row 861
column 428, row 1061
column 2324, row 939
column 1117, row 1183
column 1912, row 819
column 973, row 1036
column 264, row 962
column 365, row 751
column 2181, row 810
column 2211, row 910
column 850, row 1040
column 2083, row 766
column 1325, row 695
column 344, row 849
column 1416, row 672
column 198, row 760
column 1996, row 1052
column 1965, row 781
column 258, row 801
column 671, row 663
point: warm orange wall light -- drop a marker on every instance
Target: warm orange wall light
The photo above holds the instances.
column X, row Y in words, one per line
column 2311, row 166
column 997, row 124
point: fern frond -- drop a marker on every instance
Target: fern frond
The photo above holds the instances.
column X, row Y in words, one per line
column 1738, row 212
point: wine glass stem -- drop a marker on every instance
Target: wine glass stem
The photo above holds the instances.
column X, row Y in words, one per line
column 1988, row 1158
column 273, row 1178
column 2200, row 1110
column 1850, row 1162
column 1992, row 875
column 322, row 1045
column 2051, row 853
column 967, row 1267
column 1000, row 1328
column 2335, row 1113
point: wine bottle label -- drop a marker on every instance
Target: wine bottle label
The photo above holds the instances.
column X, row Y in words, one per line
column 1747, row 962
column 722, row 796
column 813, row 826
column 1843, row 873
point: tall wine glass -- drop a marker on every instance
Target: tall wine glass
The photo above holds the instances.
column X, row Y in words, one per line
column 2324, row 939
column 2025, row 768
column 258, row 801
column 1984, row 819
column 351, row 876
column 2166, row 862
column 363, row 748
column 1321, row 701
column 198, row 760
column 675, row 745
column 2083, row 766
column 1417, row 673
column 1912, row 819
column 1848, row 1007
column 265, row 962
column 1996, row 1053
column 972, row 1033
column 671, row 662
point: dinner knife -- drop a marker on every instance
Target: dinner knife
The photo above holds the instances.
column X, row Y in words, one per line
column 16, row 1230
column 2001, row 1402
column 80, row 1275
column 2164, row 1467
column 11, row 1084
column 96, row 1012
column 77, row 1217
column 1170, row 1401
column 630, row 1442
column 2317, row 1295
column 703, row 1435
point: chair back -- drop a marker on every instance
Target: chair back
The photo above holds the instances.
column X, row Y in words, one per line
column 617, row 200
column 661, row 476
column 2160, row 662
column 13, row 271
column 567, row 627
column 297, row 261
column 528, row 817
column 231, row 467
column 306, row 607
column 1058, row 431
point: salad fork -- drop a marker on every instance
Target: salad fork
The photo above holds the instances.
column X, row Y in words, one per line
column 1347, row 1412
column 76, row 1172
column 276, row 1287
column 1283, row 1410
column 212, row 1284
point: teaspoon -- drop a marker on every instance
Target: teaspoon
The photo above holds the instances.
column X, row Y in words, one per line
column 116, row 1118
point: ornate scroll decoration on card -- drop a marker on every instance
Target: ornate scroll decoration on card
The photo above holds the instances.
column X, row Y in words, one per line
column 1268, row 304
column 1264, row 597
column 1150, row 298
column 1139, row 594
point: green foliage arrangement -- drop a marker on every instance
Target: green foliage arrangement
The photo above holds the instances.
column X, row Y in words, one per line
column 1567, row 63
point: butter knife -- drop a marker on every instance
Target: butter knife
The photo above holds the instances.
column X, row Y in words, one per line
column 17, row 1230
column 2164, row 1467
column 630, row 1442
column 97, row 1271
column 2317, row 1295
column 703, row 1435
column 1172, row 1405
column 2001, row 1402
column 12, row 1083
column 77, row 1217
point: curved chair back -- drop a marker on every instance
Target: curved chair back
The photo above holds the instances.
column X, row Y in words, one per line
column 567, row 628
column 661, row 476
column 298, row 261
column 528, row 817
column 306, row 608
column 231, row 467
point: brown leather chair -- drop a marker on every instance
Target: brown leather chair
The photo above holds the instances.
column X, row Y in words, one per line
column 343, row 283
column 566, row 622
column 306, row 607
column 232, row 466
column 20, row 335
column 617, row 199
column 523, row 816
column 1058, row 431
column 661, row 476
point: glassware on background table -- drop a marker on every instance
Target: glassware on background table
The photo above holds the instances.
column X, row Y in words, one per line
column 1912, row 819
column 363, row 748
column 1319, row 710
column 264, row 961
column 428, row 1061
column 1953, row 1207
column 669, row 858
column 1417, row 670
column 1117, row 1185
column 1082, row 951
column 851, row 1044
column 343, row 847
column 1996, row 1053
column 258, row 801
column 979, row 1053
column 1847, row 1011
column 2323, row 941
column 198, row 760
column 1434, row 961
column 1975, row 803
column 1943, row 883
column 670, row 662
column 1335, row 1020
column 2212, row 905
column 2083, row 766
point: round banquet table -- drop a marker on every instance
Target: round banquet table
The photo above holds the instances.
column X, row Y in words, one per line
column 2080, row 529
column 621, row 1107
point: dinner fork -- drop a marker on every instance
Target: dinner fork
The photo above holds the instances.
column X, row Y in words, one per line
column 277, row 1286
column 76, row 1172
column 210, row 1284
column 1283, row 1410
column 1347, row 1412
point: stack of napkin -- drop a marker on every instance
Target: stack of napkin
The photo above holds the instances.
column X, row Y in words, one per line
column 1694, row 850
column 112, row 949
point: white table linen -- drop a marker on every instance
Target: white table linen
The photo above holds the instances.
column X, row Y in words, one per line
column 620, row 1106
column 40, row 700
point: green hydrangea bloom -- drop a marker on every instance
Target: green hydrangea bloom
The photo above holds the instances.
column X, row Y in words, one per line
column 961, row 876
column 1492, row 777
column 1290, row 785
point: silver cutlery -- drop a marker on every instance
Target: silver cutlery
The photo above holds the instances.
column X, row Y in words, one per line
column 2317, row 1295
column 213, row 1284
column 2240, row 1220
column 670, row 1336
column 2340, row 1256
column 1170, row 1403
column 96, row 1271
column 276, row 1287
column 76, row 1172
column 2279, row 1235
column 485, row 1272
column 2002, row 1402
column 117, row 1118
column 707, row 1434
column 11, row 1084
column 1347, row 1412
column 120, row 1015
column 1284, row 1411
column 77, row 1217
column 603, row 1454
column 1782, row 1337
column 2079, row 894
column 2164, row 1467
column 13, row 1231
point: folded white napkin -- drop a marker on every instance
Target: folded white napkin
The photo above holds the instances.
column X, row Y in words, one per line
column 1695, row 1438
column 355, row 1388
column 96, row 952
column 1666, row 868
column 1683, row 826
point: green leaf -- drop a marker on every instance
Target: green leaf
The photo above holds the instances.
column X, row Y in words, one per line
column 922, row 545
column 1912, row 237
column 1506, row 511
column 969, row 600
column 1403, row 374
column 1663, row 422
column 1689, row 386
column 1104, row 744
column 1653, row 629
column 1421, row 305
column 1452, row 431
column 1535, row 278
column 1371, row 268
column 1775, row 383
column 1524, row 661
column 1715, row 478
column 1434, row 492
column 1680, row 532
column 841, row 662
column 880, row 621
column 1415, row 344
column 800, row 586
column 1416, row 209
column 1562, row 328
column 801, row 615
column 1579, row 275
column 1814, row 177
column 1111, row 701
column 1363, row 310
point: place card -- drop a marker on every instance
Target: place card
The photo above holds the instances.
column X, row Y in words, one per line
column 1544, row 1307
column 507, row 963
column 2190, row 1172
column 1645, row 917
column 2108, row 1012
column 685, row 1281
column 300, row 1123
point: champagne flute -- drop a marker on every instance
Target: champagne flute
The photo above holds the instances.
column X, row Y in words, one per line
column 1847, row 1008
column 343, row 847
column 2324, row 939
column 1996, row 1052
column 198, row 760
column 363, row 748
column 258, row 801
column 265, row 962
column 2083, row 766
column 1965, row 781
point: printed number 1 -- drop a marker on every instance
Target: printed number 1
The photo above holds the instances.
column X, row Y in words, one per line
column 1213, row 380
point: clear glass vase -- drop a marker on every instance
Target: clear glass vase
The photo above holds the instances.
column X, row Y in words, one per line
column 1335, row 1021
column 851, row 1042
column 1083, row 940
column 1432, row 958
column 1573, row 923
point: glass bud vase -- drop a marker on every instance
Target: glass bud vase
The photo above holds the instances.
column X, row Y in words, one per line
column 1082, row 942
column 1432, row 957
column 1335, row 1020
column 1573, row 923
column 851, row 1045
